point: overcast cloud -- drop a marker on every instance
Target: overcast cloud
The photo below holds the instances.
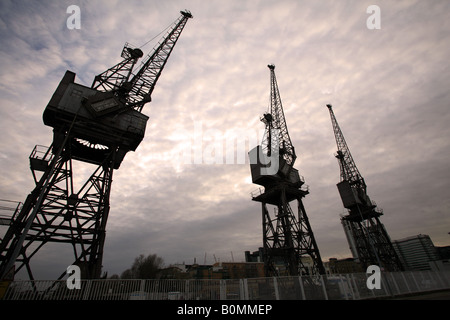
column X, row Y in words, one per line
column 389, row 89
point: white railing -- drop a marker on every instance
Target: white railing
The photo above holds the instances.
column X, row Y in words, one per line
column 329, row 287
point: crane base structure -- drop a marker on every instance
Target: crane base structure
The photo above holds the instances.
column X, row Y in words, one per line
column 287, row 236
column 54, row 212
column 371, row 243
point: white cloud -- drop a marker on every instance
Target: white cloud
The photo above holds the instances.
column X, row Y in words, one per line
column 388, row 88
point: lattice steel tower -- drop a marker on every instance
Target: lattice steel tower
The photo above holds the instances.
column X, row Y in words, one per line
column 287, row 237
column 97, row 125
column 367, row 236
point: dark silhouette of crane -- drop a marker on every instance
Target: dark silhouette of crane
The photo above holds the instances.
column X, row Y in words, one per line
column 96, row 125
column 287, row 238
column 367, row 236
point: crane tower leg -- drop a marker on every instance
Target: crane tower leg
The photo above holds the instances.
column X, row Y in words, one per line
column 287, row 238
column 54, row 212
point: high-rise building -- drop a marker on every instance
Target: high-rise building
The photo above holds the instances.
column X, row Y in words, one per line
column 416, row 252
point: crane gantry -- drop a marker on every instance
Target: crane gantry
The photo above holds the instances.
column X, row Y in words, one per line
column 369, row 241
column 96, row 125
column 287, row 238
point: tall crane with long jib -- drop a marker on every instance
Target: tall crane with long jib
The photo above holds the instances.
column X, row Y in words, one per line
column 287, row 238
column 367, row 236
column 97, row 125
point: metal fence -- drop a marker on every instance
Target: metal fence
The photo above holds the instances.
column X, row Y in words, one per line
column 326, row 287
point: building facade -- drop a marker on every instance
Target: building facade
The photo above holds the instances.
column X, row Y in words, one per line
column 416, row 252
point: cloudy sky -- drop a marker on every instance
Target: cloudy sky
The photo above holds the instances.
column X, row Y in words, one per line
column 389, row 89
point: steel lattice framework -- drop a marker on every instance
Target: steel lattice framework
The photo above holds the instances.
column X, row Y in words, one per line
column 96, row 125
column 275, row 120
column 55, row 212
column 137, row 88
column 368, row 238
column 288, row 239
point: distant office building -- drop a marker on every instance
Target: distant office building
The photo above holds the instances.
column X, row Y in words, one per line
column 256, row 256
column 340, row 266
column 238, row 270
column 416, row 252
column 444, row 263
column 279, row 264
column 219, row 270
column 350, row 239
column 444, row 252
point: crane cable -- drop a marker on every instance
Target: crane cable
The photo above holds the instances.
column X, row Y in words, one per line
column 158, row 34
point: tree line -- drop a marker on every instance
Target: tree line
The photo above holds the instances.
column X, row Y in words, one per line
column 143, row 267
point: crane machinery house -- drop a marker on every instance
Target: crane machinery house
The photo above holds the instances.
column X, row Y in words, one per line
column 102, row 121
